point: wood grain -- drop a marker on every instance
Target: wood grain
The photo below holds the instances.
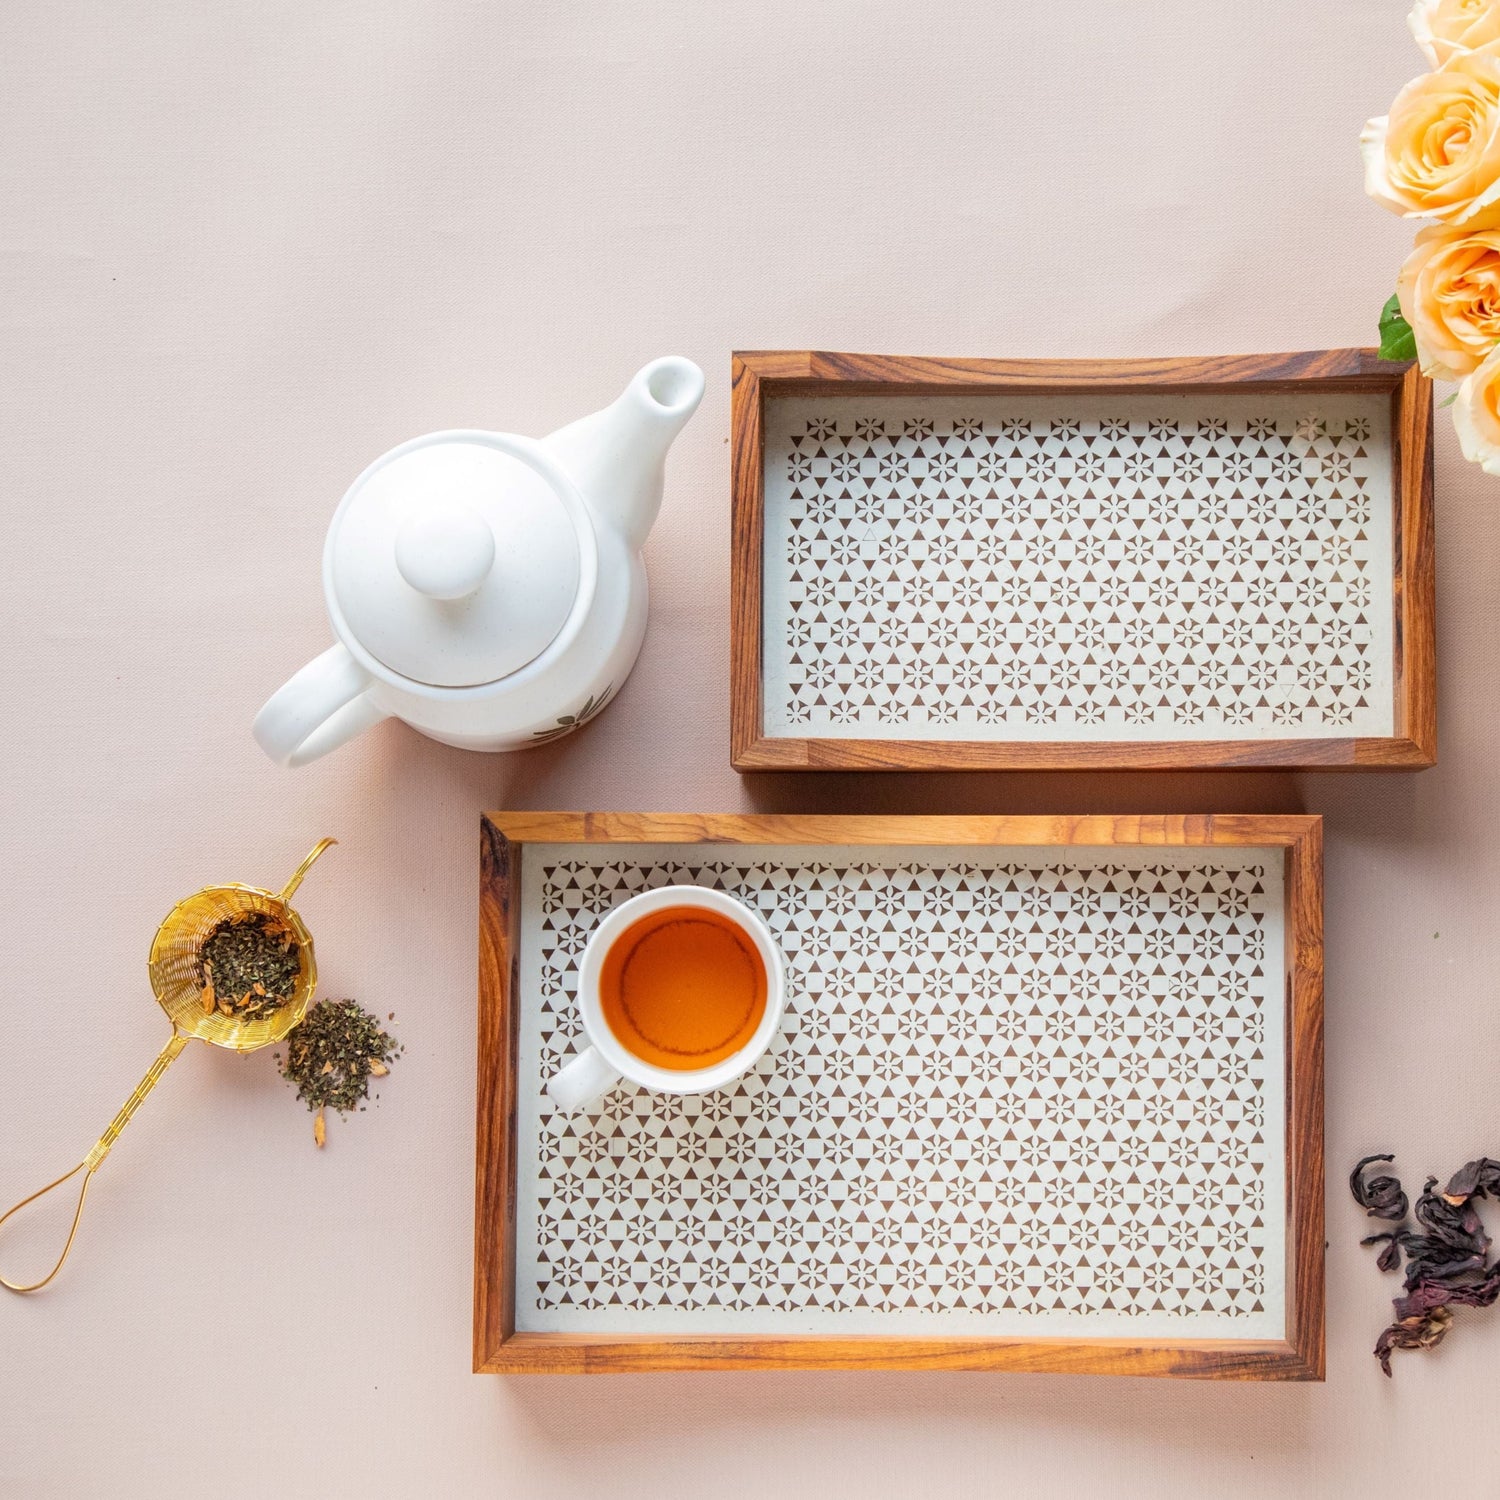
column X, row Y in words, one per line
column 500, row 1349
column 747, row 544
column 967, row 828
column 763, row 753
column 495, row 1145
column 1415, row 566
column 615, row 1354
column 811, row 371
column 1304, row 1081
column 1412, row 745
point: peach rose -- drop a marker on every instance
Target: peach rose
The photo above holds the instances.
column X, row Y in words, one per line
column 1450, row 294
column 1476, row 415
column 1443, row 27
column 1437, row 154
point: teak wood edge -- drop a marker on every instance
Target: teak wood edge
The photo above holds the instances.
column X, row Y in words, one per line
column 1411, row 746
column 500, row 1349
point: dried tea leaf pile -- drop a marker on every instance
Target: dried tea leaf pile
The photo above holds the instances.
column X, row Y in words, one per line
column 1447, row 1260
column 248, row 966
column 332, row 1056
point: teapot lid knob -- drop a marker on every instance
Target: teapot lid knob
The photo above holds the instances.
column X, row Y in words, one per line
column 482, row 520
column 445, row 550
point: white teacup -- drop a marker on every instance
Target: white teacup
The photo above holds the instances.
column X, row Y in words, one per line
column 607, row 1060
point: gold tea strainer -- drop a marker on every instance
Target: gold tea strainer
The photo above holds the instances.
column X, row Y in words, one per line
column 178, row 986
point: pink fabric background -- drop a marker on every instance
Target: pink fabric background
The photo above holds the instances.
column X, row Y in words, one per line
column 246, row 248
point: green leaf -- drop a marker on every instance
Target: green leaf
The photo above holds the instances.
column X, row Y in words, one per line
column 1448, row 400
column 1397, row 341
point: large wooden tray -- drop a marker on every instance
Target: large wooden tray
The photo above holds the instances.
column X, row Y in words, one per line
column 945, row 564
column 1049, row 1097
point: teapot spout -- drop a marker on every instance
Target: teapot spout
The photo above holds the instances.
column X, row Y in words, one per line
column 617, row 457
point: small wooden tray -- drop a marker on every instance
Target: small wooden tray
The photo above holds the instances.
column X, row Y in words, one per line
column 1048, row 1097
column 945, row 564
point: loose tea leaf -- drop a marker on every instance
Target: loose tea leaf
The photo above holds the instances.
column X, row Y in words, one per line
column 249, row 966
column 1380, row 1197
column 1448, row 1266
column 332, row 1056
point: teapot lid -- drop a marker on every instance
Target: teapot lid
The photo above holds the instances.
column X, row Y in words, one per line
column 457, row 558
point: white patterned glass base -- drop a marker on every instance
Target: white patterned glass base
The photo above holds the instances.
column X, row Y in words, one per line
column 1019, row 1091
column 1141, row 567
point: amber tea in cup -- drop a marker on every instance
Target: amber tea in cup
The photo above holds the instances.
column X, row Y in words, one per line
column 680, row 989
column 683, row 987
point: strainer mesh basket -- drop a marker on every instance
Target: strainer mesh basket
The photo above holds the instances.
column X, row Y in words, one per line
column 178, row 980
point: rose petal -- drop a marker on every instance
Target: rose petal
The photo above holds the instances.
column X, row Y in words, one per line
column 1443, row 28
column 1449, row 290
column 1474, row 415
column 1420, row 22
column 1377, row 177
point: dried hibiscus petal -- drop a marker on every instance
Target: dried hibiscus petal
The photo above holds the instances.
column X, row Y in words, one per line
column 1447, row 1264
column 1412, row 1333
column 1453, row 1226
column 1427, row 1296
column 1380, row 1197
column 1390, row 1257
column 1480, row 1177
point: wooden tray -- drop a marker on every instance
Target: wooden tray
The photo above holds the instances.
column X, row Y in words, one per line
column 945, row 564
column 1048, row 1097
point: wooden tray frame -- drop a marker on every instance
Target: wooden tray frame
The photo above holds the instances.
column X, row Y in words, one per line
column 500, row 1349
column 758, row 375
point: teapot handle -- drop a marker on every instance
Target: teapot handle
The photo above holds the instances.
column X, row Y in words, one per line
column 324, row 706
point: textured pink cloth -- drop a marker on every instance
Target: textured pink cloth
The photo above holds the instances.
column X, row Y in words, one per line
column 246, row 248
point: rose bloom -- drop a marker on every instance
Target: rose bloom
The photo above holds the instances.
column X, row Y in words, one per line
column 1443, row 27
column 1476, row 415
column 1450, row 294
column 1437, row 154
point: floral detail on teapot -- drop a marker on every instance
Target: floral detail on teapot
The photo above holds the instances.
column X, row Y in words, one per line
column 569, row 722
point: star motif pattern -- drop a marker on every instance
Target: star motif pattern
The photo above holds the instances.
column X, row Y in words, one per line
column 1008, row 569
column 1025, row 1090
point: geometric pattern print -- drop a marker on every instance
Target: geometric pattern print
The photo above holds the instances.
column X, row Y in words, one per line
column 1028, row 570
column 1021, row 1090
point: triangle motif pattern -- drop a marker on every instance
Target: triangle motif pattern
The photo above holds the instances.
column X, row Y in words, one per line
column 1028, row 1090
column 1011, row 568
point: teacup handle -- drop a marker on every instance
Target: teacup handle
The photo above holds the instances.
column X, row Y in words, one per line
column 324, row 706
column 584, row 1081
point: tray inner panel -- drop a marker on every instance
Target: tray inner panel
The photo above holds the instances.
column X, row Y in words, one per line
column 1172, row 566
column 1019, row 1091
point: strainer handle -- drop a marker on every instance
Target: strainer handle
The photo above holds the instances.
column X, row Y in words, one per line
column 290, row 888
column 90, row 1164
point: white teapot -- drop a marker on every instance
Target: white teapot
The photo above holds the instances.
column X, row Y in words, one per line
column 487, row 588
